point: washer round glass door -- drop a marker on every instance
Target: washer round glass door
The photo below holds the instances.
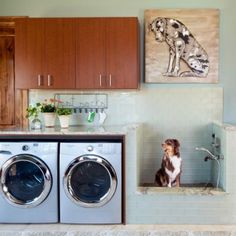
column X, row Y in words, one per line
column 25, row 180
column 90, row 181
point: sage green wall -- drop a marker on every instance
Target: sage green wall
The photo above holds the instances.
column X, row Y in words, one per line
column 91, row 8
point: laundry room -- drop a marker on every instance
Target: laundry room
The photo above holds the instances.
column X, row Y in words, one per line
column 119, row 83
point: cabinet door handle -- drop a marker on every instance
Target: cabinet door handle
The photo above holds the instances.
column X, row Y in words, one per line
column 49, row 80
column 100, row 80
column 40, row 80
column 110, row 80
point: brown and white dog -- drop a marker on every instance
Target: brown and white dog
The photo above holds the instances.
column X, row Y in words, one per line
column 170, row 171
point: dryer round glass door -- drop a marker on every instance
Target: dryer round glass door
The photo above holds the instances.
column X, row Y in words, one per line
column 90, row 181
column 25, row 180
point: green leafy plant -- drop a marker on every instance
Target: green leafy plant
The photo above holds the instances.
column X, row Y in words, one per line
column 33, row 111
column 63, row 111
column 48, row 105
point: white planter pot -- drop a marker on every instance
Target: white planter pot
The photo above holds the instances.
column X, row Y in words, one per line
column 64, row 121
column 49, row 119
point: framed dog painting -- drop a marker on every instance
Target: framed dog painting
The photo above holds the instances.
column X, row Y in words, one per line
column 181, row 46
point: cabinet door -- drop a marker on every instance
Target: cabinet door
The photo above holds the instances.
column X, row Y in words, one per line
column 29, row 53
column 90, row 53
column 59, row 52
column 45, row 53
column 122, row 55
column 7, row 80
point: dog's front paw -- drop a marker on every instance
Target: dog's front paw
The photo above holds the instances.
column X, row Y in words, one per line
column 169, row 185
column 170, row 74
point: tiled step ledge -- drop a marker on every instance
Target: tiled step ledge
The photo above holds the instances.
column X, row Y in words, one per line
column 184, row 189
column 116, row 230
column 181, row 191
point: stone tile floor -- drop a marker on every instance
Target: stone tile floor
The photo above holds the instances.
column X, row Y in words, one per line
column 116, row 230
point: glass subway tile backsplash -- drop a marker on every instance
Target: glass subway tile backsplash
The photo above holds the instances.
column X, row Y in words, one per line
column 182, row 113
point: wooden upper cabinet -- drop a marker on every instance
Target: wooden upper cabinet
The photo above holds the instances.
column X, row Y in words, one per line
column 81, row 53
column 107, row 53
column 45, row 53
column 90, row 52
column 60, row 52
column 28, row 52
column 122, row 57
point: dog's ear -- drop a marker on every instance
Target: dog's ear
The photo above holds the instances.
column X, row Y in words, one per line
column 161, row 24
column 155, row 25
column 149, row 27
column 176, row 142
column 176, row 148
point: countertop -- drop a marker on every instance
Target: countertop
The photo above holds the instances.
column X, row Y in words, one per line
column 111, row 130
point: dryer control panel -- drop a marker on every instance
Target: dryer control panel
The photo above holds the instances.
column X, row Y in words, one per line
column 89, row 148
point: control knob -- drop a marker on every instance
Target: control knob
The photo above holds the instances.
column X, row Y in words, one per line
column 90, row 148
column 25, row 147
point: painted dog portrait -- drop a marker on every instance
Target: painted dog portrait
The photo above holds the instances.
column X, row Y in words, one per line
column 181, row 45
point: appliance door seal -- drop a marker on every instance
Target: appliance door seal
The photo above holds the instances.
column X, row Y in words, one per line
column 26, row 181
column 90, row 181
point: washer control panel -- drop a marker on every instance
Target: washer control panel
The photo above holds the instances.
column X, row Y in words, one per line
column 34, row 148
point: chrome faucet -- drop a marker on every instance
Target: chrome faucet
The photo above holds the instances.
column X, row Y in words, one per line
column 211, row 156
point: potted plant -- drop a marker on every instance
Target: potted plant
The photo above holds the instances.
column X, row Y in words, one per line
column 33, row 115
column 64, row 116
column 48, row 109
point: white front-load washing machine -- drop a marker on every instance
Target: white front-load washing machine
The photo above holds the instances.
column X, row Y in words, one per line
column 28, row 191
column 91, row 183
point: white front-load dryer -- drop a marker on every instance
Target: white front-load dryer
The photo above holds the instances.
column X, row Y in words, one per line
column 91, row 183
column 28, row 191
